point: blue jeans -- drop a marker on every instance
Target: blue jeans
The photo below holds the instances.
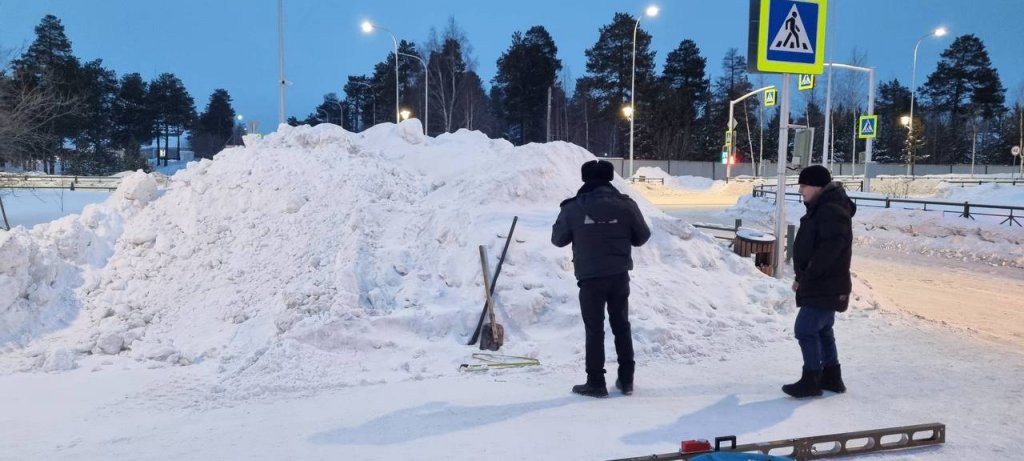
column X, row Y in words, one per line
column 813, row 330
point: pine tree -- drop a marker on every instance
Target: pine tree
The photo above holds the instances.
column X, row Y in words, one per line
column 132, row 121
column 892, row 105
column 527, row 70
column 683, row 94
column 359, row 95
column 215, row 127
column 383, row 83
column 964, row 90
column 330, row 110
column 609, row 83
column 173, row 110
column 96, row 88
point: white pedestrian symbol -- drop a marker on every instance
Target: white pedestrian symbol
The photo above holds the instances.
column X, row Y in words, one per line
column 792, row 36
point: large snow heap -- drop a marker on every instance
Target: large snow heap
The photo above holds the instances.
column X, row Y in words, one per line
column 316, row 257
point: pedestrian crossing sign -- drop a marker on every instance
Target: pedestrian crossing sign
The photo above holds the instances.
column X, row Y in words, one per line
column 805, row 82
column 867, row 127
column 769, row 97
column 790, row 36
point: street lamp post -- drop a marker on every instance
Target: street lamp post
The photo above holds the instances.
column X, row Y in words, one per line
column 281, row 82
column 651, row 11
column 370, row 27
column 913, row 90
column 426, row 91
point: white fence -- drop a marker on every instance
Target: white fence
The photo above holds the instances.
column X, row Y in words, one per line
column 716, row 170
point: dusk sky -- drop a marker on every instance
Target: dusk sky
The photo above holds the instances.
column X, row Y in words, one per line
column 233, row 44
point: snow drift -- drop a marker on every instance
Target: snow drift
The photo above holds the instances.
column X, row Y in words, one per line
column 317, row 258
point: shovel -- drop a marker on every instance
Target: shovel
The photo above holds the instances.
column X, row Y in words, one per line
column 492, row 335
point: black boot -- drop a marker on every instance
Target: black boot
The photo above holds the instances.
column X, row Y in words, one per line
column 625, row 387
column 591, row 389
column 832, row 379
column 808, row 386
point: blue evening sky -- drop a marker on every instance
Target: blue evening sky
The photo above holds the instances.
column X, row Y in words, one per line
column 232, row 44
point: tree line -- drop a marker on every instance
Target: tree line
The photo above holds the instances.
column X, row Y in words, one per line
column 54, row 108
column 680, row 113
column 57, row 110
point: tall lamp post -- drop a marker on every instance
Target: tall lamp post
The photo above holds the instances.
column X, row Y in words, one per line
column 426, row 90
column 651, row 11
column 368, row 27
column 281, row 82
column 913, row 90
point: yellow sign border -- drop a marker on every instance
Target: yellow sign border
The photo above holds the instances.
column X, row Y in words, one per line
column 764, row 65
column 800, row 86
column 775, row 98
column 860, row 125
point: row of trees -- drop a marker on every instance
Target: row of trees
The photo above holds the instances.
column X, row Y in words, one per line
column 681, row 113
column 54, row 108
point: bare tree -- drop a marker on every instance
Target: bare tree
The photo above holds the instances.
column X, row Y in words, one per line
column 25, row 114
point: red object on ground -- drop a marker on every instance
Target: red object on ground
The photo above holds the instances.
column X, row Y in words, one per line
column 694, row 446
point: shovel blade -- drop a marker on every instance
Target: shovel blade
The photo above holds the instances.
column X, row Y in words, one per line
column 491, row 339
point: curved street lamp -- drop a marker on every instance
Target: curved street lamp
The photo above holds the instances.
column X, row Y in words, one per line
column 651, row 11
column 368, row 27
column 939, row 32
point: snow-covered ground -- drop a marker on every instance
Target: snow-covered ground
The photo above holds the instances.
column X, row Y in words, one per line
column 308, row 297
column 28, row 207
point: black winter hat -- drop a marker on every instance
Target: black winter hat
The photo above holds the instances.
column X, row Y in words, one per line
column 597, row 171
column 815, row 175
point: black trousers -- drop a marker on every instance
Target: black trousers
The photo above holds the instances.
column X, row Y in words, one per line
column 613, row 292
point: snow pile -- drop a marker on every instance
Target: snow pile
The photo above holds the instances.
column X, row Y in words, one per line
column 40, row 267
column 909, row 231
column 316, row 258
column 989, row 194
column 690, row 190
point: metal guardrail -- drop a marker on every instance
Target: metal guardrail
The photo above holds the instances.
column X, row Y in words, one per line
column 21, row 181
column 965, row 182
column 964, row 208
column 790, row 234
column 645, row 179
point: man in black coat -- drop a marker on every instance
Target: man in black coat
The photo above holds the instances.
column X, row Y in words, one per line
column 602, row 225
column 821, row 259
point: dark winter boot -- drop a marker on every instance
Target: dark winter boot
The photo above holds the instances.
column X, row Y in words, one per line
column 808, row 386
column 626, row 388
column 832, row 379
column 590, row 389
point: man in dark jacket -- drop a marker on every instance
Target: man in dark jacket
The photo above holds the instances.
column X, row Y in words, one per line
column 602, row 225
column 821, row 258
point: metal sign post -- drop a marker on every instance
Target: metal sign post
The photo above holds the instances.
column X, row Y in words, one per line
column 786, row 37
column 780, row 190
column 1015, row 151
